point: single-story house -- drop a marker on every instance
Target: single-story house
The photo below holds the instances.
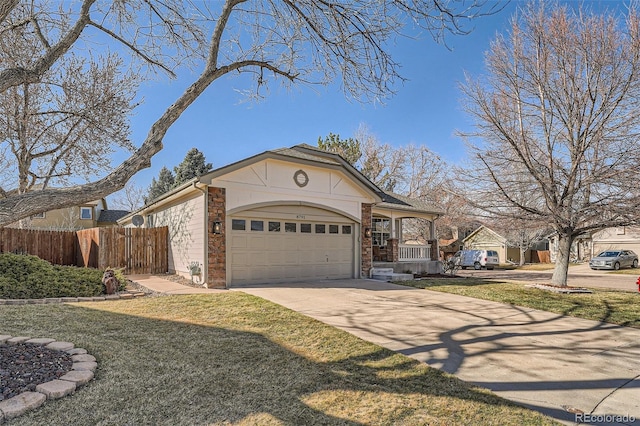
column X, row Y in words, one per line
column 484, row 238
column 284, row 215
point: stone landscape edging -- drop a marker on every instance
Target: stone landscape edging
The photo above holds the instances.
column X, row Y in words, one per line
column 121, row 296
column 82, row 371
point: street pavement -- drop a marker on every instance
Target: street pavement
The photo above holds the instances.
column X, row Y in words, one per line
column 578, row 276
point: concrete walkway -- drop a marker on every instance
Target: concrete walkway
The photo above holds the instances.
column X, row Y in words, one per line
column 551, row 363
column 164, row 286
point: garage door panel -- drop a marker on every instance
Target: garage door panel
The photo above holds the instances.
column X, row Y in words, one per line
column 275, row 255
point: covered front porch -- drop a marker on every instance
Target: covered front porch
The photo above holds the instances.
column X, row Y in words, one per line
column 404, row 235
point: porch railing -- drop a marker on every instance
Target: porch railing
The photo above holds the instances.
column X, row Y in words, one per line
column 413, row 252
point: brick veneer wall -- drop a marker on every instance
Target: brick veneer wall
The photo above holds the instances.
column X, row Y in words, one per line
column 393, row 249
column 217, row 266
column 366, row 243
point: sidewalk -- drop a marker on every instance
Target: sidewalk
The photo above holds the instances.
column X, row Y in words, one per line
column 164, row 286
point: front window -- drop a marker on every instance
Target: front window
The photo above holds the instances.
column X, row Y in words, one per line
column 381, row 231
column 86, row 213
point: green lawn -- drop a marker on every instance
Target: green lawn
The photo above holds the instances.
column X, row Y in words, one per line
column 615, row 307
column 232, row 358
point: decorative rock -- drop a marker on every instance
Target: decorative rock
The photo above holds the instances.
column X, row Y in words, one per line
column 17, row 339
column 126, row 296
column 16, row 302
column 112, row 297
column 60, row 346
column 3, row 301
column 85, row 299
column 53, row 300
column 85, row 366
column 98, row 299
column 56, row 388
column 69, row 299
column 79, row 377
column 35, row 301
column 41, row 341
column 83, row 358
column 14, row 407
column 81, row 373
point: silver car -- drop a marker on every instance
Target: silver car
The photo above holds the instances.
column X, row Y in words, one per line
column 614, row 259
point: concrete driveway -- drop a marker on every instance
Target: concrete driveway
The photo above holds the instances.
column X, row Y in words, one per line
column 550, row 363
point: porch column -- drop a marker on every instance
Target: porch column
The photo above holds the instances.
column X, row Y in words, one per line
column 366, row 249
column 392, row 250
column 217, row 260
column 435, row 246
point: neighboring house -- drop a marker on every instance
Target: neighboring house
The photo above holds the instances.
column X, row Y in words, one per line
column 449, row 247
column 88, row 215
column 581, row 248
column 586, row 246
column 289, row 214
column 623, row 238
column 484, row 238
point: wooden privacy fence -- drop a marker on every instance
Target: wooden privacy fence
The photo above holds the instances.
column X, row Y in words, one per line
column 137, row 250
column 57, row 247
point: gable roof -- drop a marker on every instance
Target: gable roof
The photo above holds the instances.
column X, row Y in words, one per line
column 307, row 154
column 304, row 154
column 484, row 228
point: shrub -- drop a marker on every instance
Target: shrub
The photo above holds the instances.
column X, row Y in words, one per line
column 29, row 277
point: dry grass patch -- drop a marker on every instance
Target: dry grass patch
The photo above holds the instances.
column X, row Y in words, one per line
column 616, row 307
column 231, row 358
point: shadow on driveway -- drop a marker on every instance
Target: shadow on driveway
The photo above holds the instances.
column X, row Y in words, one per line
column 552, row 363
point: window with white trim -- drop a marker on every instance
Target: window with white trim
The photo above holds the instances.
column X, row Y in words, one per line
column 86, row 213
column 381, row 231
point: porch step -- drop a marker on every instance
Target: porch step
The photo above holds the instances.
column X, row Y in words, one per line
column 387, row 274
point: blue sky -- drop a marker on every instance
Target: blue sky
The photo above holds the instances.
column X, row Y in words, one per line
column 425, row 111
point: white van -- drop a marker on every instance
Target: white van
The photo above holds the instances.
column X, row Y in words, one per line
column 477, row 259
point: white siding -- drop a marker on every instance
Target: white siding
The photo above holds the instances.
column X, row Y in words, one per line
column 272, row 181
column 186, row 220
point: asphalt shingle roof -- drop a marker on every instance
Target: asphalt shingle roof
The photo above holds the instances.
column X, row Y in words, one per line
column 111, row 215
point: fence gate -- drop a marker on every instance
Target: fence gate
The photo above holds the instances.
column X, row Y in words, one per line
column 137, row 250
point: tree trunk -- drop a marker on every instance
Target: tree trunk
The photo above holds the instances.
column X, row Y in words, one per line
column 523, row 252
column 562, row 260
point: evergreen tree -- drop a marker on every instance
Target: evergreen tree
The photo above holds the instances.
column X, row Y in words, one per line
column 192, row 166
column 163, row 184
column 349, row 149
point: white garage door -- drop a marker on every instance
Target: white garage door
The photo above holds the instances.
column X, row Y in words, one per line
column 284, row 250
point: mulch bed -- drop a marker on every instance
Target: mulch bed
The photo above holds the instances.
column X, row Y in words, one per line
column 24, row 366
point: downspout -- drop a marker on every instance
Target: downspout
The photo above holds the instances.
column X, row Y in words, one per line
column 205, row 266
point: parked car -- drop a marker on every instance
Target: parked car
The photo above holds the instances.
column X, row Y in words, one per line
column 614, row 259
column 477, row 259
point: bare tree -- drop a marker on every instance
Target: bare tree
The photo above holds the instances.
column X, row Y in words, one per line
column 291, row 42
column 67, row 124
column 558, row 123
column 129, row 198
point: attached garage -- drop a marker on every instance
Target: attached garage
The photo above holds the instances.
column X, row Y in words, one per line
column 286, row 243
column 287, row 215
